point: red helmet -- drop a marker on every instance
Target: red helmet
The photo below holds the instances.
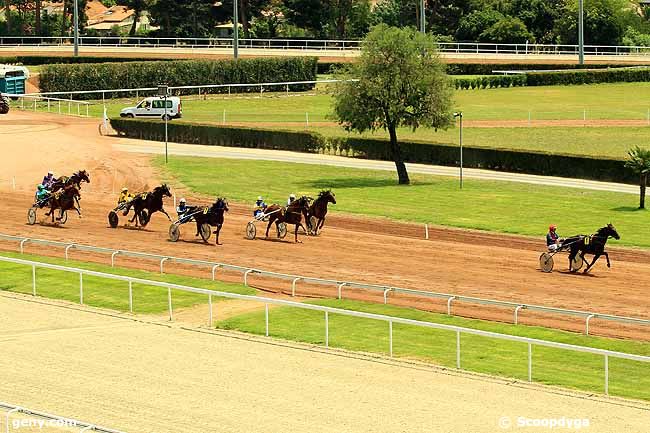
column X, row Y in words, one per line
column 552, row 227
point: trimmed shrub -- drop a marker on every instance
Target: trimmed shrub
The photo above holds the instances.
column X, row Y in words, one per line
column 591, row 76
column 491, row 82
column 80, row 77
column 547, row 164
column 50, row 60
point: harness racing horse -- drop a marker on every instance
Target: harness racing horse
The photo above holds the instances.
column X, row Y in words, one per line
column 64, row 200
column 213, row 216
column 594, row 244
column 318, row 210
column 292, row 214
column 75, row 179
column 146, row 204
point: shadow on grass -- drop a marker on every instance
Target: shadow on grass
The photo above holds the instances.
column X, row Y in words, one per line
column 628, row 209
column 356, row 182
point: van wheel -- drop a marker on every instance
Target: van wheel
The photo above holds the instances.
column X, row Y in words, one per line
column 166, row 117
column 130, row 116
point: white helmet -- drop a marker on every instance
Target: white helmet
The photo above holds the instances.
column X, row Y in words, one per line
column 182, row 200
column 260, row 198
column 50, row 173
column 292, row 196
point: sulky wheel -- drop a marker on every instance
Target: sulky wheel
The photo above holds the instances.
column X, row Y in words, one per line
column 576, row 263
column 31, row 216
column 64, row 217
column 282, row 230
column 251, row 231
column 546, row 262
column 313, row 222
column 113, row 219
column 174, row 232
column 205, row 231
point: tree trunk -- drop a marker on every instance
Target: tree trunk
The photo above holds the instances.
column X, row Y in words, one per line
column 396, row 154
column 243, row 18
column 642, row 184
column 134, row 26
column 37, row 13
column 8, row 15
column 64, row 18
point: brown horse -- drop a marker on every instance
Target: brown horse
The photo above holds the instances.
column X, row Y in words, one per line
column 318, row 210
column 213, row 216
column 292, row 214
column 146, row 204
column 76, row 179
column 64, row 200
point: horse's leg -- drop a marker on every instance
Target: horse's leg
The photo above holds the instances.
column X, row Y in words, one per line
column 596, row 256
column 217, row 233
column 165, row 212
column 320, row 224
column 268, row 227
column 609, row 265
column 296, row 232
column 572, row 256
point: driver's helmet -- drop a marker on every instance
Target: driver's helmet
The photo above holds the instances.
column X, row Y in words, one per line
column 292, row 196
column 50, row 173
column 125, row 189
column 260, row 198
column 552, row 227
column 182, row 201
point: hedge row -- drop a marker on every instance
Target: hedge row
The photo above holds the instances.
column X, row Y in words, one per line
column 591, row 76
column 491, row 82
column 487, row 68
column 546, row 164
column 80, row 77
column 49, row 60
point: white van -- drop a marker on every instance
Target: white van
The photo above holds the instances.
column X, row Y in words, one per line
column 155, row 107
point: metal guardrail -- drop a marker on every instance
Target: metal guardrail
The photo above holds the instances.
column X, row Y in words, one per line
column 327, row 310
column 317, row 45
column 53, row 105
column 69, row 422
column 340, row 285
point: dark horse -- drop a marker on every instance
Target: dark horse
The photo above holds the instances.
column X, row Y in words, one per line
column 146, row 204
column 292, row 214
column 213, row 216
column 64, row 200
column 318, row 210
column 75, row 179
column 594, row 244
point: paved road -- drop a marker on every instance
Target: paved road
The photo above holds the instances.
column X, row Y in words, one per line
column 151, row 147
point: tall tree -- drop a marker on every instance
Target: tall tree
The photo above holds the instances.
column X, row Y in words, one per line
column 639, row 162
column 402, row 82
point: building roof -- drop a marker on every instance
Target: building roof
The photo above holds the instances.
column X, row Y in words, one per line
column 115, row 15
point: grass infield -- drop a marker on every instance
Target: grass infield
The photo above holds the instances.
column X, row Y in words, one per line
column 506, row 207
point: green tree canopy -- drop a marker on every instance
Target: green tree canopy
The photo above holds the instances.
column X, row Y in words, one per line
column 402, row 82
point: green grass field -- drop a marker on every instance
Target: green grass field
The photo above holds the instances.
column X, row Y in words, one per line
column 602, row 101
column 480, row 354
column 494, row 206
column 105, row 293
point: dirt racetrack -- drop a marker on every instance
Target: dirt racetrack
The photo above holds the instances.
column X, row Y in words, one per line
column 147, row 377
column 350, row 249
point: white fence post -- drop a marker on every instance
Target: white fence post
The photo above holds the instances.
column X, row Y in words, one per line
column 113, row 258
column 66, row 250
column 81, row 288
column 266, row 318
column 519, row 307
column 210, row 320
column 426, row 231
column 340, row 289
column 246, row 277
column 327, row 330
column 293, row 286
column 162, row 263
column 451, row 298
column 458, row 350
column 589, row 317
column 390, row 338
column 130, row 296
column 34, row 280
column 606, row 375
column 214, row 271
column 13, row 183
column 530, row 362
column 169, row 303
column 386, row 295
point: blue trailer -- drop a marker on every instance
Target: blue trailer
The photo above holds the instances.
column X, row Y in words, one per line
column 12, row 79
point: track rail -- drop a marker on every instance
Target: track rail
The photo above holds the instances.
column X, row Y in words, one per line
column 247, row 272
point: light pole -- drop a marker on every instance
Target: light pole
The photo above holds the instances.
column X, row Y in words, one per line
column 581, row 32
column 76, row 28
column 460, row 115
column 423, row 22
column 163, row 91
column 235, row 30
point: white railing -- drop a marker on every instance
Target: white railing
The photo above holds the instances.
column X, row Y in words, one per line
column 36, row 102
column 201, row 90
column 65, row 422
column 340, row 285
column 317, row 44
column 327, row 311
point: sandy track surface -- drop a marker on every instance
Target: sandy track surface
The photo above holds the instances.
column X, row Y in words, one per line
column 350, row 249
column 143, row 377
